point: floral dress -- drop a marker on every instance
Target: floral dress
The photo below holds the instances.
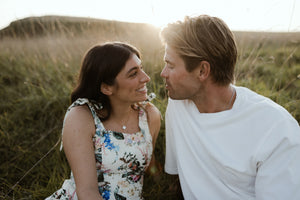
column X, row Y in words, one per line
column 121, row 159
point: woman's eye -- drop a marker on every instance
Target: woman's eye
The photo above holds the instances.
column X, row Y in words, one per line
column 133, row 74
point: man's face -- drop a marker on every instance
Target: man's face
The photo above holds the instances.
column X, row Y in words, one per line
column 180, row 83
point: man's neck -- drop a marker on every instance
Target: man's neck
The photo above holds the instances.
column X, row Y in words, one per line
column 214, row 98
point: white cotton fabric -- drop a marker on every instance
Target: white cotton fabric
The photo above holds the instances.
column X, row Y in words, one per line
column 249, row 152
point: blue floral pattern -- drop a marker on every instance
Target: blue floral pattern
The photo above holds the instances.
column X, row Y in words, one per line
column 121, row 159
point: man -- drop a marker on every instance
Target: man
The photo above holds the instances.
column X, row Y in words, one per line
column 224, row 141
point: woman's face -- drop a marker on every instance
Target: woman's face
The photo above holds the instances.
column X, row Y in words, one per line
column 130, row 83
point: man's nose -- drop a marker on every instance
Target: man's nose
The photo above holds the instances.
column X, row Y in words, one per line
column 164, row 72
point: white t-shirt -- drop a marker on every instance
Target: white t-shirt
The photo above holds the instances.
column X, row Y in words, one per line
column 249, row 152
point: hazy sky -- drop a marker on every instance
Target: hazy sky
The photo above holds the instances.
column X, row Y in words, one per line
column 253, row 15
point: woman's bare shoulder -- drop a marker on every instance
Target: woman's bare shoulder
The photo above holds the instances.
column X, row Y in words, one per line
column 79, row 118
column 154, row 120
column 152, row 111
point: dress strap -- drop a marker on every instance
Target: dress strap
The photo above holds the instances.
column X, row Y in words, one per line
column 93, row 106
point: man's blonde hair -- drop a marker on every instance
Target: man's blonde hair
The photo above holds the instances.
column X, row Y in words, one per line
column 204, row 38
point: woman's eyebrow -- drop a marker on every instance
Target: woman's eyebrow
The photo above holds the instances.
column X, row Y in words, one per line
column 132, row 69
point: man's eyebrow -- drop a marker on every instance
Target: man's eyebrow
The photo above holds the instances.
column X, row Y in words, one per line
column 168, row 61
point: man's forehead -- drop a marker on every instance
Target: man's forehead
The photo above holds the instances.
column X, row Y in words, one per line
column 168, row 52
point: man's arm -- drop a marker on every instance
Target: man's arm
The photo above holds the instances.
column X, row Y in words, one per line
column 278, row 173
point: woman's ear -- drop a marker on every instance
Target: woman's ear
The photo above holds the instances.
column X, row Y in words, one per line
column 203, row 70
column 106, row 89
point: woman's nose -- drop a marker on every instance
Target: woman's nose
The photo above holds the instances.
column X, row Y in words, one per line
column 145, row 78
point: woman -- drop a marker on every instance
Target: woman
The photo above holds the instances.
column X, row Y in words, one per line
column 108, row 134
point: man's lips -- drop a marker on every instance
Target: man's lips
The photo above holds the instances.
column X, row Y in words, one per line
column 167, row 86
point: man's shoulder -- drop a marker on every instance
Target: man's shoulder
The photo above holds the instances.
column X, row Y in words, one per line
column 251, row 97
column 262, row 104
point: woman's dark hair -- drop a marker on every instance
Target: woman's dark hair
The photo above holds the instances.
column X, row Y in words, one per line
column 101, row 64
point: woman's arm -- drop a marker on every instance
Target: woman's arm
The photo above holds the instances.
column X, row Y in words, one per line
column 78, row 132
column 154, row 122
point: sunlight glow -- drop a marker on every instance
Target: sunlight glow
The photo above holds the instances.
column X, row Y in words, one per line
column 255, row 15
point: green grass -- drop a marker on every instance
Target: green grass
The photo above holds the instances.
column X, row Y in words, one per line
column 39, row 71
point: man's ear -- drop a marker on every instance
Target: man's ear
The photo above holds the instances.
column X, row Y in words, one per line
column 203, row 70
column 106, row 89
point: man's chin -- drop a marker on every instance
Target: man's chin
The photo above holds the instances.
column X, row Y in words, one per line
column 174, row 97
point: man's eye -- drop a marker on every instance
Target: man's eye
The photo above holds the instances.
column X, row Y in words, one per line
column 170, row 66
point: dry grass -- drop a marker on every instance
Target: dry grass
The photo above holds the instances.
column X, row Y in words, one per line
column 39, row 71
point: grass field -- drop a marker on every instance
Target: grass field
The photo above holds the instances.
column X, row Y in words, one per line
column 39, row 67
